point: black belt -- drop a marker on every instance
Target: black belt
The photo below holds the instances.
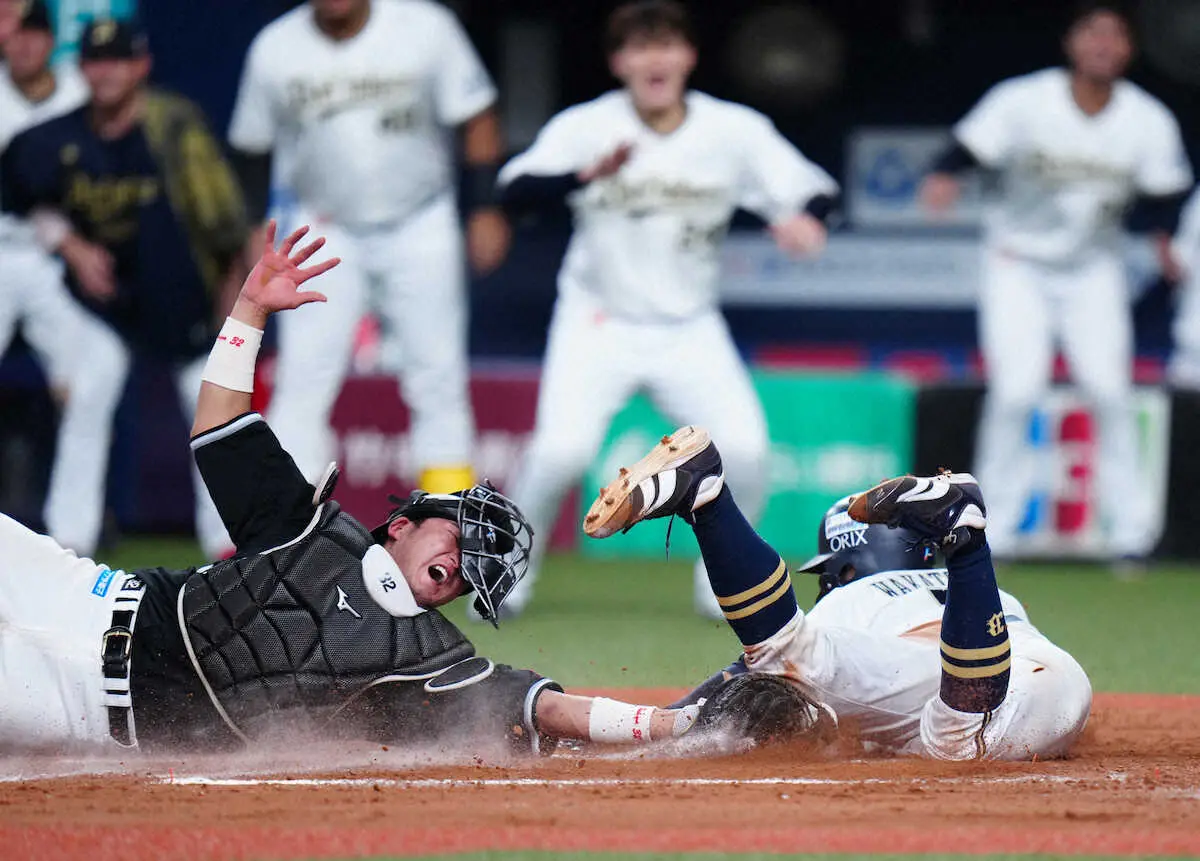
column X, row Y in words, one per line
column 116, row 647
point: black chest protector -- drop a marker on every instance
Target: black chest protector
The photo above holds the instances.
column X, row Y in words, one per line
column 294, row 630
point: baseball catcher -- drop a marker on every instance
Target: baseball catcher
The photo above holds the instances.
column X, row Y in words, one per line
column 316, row 622
column 870, row 648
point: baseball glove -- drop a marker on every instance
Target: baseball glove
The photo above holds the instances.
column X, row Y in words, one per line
column 765, row 709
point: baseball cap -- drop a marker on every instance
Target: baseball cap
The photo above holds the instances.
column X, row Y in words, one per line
column 35, row 16
column 112, row 39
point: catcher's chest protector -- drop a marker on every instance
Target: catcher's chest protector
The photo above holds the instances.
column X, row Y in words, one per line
column 295, row 629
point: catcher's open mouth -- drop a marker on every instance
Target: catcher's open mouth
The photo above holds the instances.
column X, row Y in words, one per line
column 438, row 573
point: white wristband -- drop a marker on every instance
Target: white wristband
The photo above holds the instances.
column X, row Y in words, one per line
column 231, row 362
column 613, row 722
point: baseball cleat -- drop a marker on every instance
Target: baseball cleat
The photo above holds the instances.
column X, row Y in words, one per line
column 680, row 474
column 936, row 507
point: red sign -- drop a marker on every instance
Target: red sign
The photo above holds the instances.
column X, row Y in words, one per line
column 375, row 456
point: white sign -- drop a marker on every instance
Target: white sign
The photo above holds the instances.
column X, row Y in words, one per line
column 873, row 271
column 884, row 169
column 1064, row 515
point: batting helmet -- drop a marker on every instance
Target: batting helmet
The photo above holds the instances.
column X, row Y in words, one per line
column 847, row 549
column 495, row 538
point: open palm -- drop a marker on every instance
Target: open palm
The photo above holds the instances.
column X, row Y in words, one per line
column 274, row 282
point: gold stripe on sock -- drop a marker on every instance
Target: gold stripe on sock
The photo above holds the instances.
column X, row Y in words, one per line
column 976, row 672
column 784, row 587
column 754, row 591
column 975, row 654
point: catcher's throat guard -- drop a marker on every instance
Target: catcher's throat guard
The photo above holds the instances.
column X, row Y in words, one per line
column 495, row 538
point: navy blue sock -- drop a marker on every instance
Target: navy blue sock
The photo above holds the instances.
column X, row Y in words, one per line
column 975, row 651
column 749, row 578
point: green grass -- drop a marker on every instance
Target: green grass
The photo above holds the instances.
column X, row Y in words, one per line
column 630, row 623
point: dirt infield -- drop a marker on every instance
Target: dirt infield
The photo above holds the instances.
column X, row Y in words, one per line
column 1132, row 788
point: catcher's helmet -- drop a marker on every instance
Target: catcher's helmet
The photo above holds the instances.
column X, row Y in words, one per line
column 495, row 540
column 847, row 549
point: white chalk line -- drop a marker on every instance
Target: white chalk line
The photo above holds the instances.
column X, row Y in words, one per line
column 584, row 782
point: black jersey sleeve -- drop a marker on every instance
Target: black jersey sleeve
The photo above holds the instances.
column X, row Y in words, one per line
column 470, row 706
column 263, row 499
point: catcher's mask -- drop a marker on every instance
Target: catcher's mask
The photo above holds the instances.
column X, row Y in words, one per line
column 847, row 549
column 495, row 540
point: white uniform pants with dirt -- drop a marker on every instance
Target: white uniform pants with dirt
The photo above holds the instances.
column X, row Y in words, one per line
column 76, row 500
column 887, row 686
column 411, row 275
column 594, row 364
column 1026, row 310
column 54, row 609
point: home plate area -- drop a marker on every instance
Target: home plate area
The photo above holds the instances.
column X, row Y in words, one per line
column 1132, row 788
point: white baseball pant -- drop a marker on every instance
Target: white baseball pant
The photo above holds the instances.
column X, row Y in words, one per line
column 594, row 364
column 887, row 686
column 75, row 502
column 411, row 275
column 1025, row 309
column 52, row 620
column 1184, row 368
column 33, row 293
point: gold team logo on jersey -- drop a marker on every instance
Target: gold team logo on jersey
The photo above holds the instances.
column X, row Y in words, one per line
column 69, row 154
column 995, row 625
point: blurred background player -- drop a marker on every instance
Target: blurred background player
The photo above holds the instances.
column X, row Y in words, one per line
column 653, row 173
column 1184, row 368
column 32, row 292
column 354, row 99
column 1073, row 148
column 11, row 13
column 149, row 219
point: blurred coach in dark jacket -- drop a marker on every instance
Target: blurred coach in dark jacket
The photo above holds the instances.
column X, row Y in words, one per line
column 124, row 189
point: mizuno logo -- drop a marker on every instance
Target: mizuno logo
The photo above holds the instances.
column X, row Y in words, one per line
column 343, row 604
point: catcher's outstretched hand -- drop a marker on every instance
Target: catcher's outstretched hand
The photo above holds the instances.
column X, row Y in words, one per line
column 275, row 281
column 272, row 285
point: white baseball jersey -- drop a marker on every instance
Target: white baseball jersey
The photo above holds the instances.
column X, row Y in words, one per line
column 360, row 127
column 646, row 238
column 1066, row 177
column 895, row 602
column 870, row 650
column 17, row 114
